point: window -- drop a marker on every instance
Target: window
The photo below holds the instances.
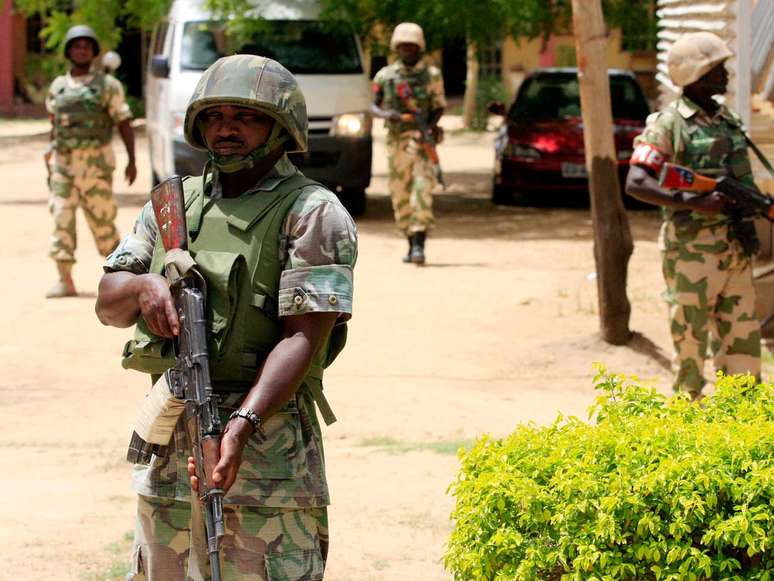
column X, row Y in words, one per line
column 302, row 46
column 490, row 59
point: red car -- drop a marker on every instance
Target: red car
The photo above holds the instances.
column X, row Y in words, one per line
column 539, row 148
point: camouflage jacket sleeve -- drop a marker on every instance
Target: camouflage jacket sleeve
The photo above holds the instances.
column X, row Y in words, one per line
column 52, row 89
column 659, row 133
column 114, row 100
column 319, row 248
column 134, row 252
column 435, row 89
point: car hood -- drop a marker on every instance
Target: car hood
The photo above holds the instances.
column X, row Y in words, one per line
column 566, row 135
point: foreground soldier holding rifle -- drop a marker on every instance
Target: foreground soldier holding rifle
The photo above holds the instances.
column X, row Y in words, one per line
column 268, row 275
column 707, row 241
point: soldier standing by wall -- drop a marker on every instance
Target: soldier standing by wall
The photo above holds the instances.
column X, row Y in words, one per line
column 411, row 175
column 706, row 249
column 285, row 247
column 84, row 105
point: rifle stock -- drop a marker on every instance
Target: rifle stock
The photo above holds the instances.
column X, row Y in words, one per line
column 745, row 198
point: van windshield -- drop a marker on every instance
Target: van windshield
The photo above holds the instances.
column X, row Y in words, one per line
column 302, row 46
column 557, row 96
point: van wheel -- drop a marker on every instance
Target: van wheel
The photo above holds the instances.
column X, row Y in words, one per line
column 354, row 201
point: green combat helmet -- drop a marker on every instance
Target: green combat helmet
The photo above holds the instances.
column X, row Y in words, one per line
column 693, row 55
column 261, row 84
column 80, row 31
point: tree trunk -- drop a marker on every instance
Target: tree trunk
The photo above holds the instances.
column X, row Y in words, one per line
column 471, row 85
column 612, row 238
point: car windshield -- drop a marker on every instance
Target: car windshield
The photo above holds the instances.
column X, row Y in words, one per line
column 557, row 96
column 302, row 46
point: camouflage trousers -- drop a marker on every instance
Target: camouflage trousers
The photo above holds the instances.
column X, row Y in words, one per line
column 261, row 543
column 411, row 183
column 82, row 177
column 711, row 304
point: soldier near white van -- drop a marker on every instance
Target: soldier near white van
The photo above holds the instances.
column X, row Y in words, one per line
column 84, row 104
column 276, row 250
column 411, row 172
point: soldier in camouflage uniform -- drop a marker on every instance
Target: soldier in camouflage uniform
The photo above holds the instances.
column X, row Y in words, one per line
column 411, row 174
column 84, row 105
column 267, row 349
column 706, row 248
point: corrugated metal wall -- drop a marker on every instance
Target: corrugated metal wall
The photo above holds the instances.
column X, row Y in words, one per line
column 729, row 19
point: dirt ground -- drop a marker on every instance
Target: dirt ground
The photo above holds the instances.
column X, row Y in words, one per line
column 499, row 328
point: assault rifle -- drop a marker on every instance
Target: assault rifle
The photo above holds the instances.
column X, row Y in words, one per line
column 427, row 138
column 746, row 199
column 189, row 379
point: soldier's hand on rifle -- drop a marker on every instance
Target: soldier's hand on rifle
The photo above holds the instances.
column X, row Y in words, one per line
column 714, row 203
column 156, row 305
column 232, row 444
column 131, row 172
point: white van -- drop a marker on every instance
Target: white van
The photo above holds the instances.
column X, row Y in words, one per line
column 326, row 59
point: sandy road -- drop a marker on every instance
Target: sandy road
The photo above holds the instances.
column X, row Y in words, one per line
column 499, row 328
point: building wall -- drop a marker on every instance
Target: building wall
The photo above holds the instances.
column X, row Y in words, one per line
column 521, row 56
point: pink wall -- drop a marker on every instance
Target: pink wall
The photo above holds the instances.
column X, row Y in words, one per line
column 548, row 56
column 6, row 54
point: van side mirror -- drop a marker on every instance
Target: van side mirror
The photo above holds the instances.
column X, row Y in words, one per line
column 496, row 108
column 160, row 66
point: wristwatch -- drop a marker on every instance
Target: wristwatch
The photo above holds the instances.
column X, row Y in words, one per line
column 249, row 415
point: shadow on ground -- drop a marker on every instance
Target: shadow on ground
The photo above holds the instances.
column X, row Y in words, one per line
column 464, row 210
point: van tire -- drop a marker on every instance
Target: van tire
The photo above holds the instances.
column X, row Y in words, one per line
column 354, row 201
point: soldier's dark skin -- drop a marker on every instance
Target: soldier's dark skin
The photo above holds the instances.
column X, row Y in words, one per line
column 124, row 296
column 81, row 54
column 409, row 53
column 643, row 185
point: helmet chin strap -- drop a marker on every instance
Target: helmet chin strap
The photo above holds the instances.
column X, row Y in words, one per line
column 235, row 163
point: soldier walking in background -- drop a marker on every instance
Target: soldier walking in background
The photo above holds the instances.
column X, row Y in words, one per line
column 412, row 176
column 84, row 105
column 277, row 252
column 706, row 247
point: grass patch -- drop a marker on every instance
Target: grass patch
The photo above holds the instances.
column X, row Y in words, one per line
column 394, row 446
column 119, row 564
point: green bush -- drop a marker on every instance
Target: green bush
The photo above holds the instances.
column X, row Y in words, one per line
column 489, row 89
column 656, row 488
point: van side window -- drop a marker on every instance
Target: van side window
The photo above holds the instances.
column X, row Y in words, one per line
column 159, row 37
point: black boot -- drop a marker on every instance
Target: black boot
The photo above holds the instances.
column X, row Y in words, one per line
column 410, row 239
column 418, row 248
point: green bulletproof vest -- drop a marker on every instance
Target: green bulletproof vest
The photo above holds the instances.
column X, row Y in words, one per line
column 237, row 251
column 419, row 81
column 79, row 114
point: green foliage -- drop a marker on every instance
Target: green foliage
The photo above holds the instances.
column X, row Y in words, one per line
column 489, row 89
column 39, row 71
column 136, row 106
column 655, row 488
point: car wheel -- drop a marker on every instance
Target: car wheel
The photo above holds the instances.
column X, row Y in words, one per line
column 503, row 196
column 354, row 201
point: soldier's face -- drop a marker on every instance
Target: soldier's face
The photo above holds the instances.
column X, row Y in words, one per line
column 715, row 82
column 81, row 51
column 231, row 130
column 408, row 52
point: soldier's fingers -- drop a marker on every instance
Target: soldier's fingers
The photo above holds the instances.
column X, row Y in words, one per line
column 171, row 317
column 195, row 484
column 162, row 323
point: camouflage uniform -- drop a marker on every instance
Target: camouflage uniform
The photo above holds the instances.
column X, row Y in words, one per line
column 82, row 173
column 276, row 515
column 411, row 178
column 708, row 273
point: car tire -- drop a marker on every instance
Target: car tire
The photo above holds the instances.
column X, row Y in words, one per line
column 354, row 201
column 502, row 196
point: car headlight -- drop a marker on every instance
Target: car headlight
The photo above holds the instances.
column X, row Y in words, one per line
column 351, row 125
column 522, row 151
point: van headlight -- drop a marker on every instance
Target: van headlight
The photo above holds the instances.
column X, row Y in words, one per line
column 351, row 125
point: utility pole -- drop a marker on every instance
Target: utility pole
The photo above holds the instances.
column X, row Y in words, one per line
column 612, row 238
